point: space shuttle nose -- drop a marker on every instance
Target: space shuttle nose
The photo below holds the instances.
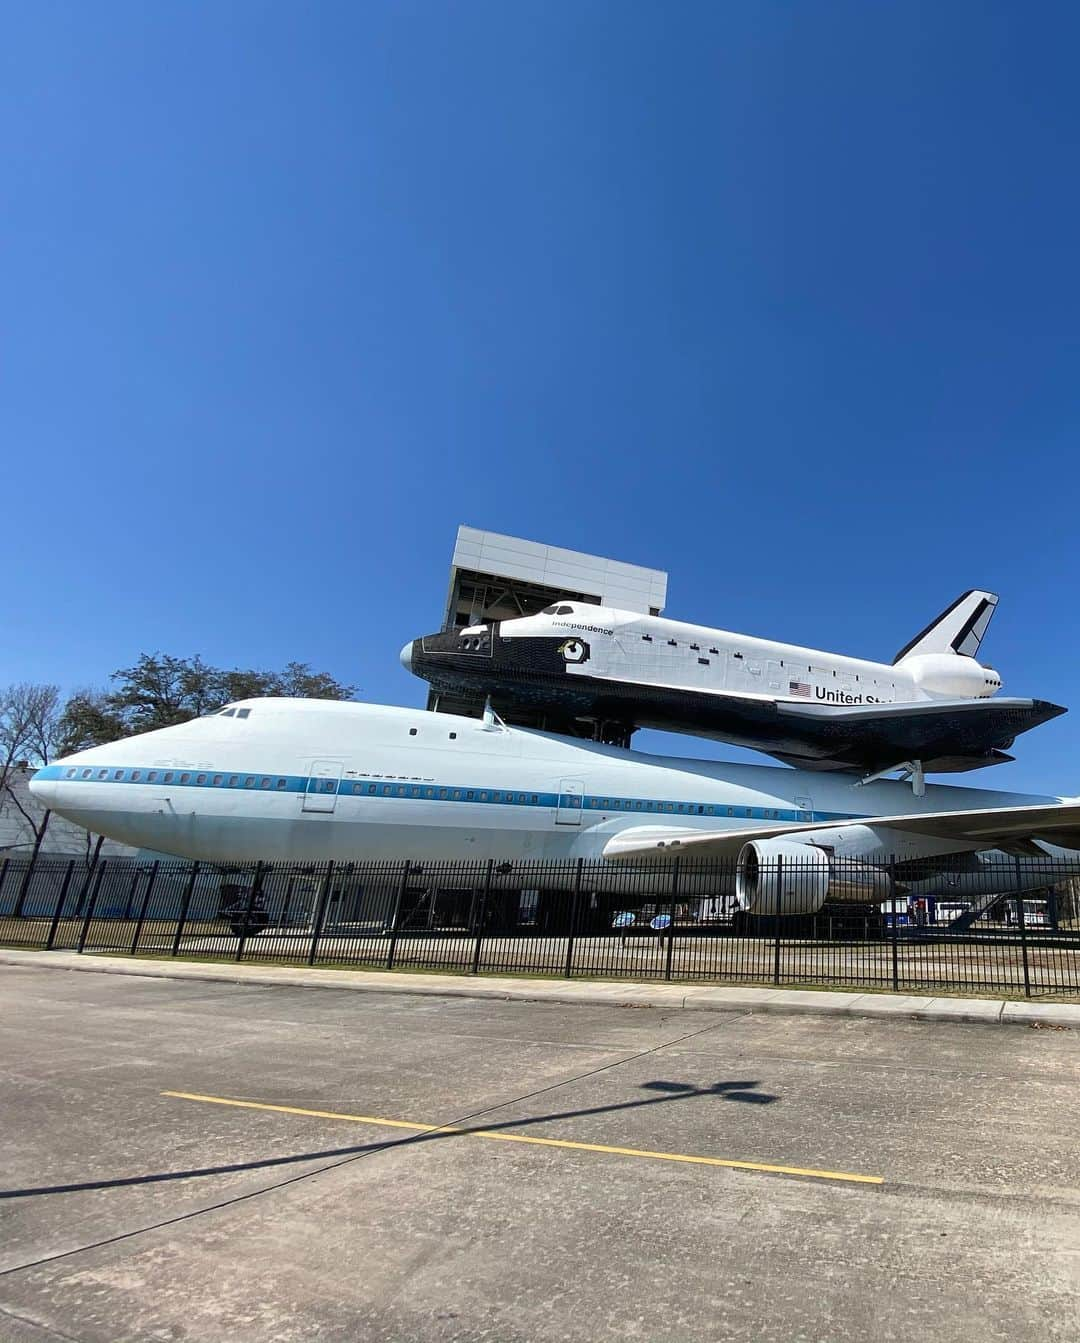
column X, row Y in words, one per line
column 406, row 656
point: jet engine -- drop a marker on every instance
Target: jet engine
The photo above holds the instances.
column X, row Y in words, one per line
column 783, row 876
column 952, row 675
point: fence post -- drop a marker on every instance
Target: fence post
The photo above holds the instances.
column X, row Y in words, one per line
column 184, row 906
column 288, row 899
column 143, row 908
column 395, row 918
column 483, row 916
column 91, row 903
column 24, row 886
column 776, row 938
column 131, row 892
column 895, row 926
column 320, row 912
column 253, row 895
column 574, row 898
column 3, row 872
column 59, row 909
column 670, row 929
column 1023, row 925
column 91, row 868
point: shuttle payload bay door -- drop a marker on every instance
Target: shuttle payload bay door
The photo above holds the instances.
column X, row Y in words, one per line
column 571, row 801
column 323, row 784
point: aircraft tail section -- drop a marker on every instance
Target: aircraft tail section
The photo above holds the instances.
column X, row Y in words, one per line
column 959, row 628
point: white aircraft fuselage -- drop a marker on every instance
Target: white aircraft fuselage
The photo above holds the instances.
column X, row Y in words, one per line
column 310, row 780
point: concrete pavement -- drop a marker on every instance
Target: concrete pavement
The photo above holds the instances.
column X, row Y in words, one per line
column 697, row 997
column 194, row 1160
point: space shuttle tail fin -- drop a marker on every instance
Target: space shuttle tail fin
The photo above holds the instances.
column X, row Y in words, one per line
column 959, row 628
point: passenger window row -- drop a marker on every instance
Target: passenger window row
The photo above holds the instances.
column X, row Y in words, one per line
column 280, row 784
column 445, row 794
column 180, row 776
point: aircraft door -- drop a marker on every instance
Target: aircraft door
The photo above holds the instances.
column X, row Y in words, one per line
column 804, row 808
column 571, row 801
column 324, row 782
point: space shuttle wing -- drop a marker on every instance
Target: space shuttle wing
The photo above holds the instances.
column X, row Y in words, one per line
column 989, row 828
column 945, row 734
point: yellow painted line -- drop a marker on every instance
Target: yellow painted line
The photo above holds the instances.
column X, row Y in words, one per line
column 537, row 1142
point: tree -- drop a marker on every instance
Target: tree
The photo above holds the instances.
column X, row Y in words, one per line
column 161, row 690
column 89, row 720
column 29, row 726
column 29, row 735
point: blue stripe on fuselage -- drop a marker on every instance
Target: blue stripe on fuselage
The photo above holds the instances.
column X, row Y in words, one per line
column 421, row 792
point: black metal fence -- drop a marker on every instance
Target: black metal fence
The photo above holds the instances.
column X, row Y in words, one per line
column 1004, row 926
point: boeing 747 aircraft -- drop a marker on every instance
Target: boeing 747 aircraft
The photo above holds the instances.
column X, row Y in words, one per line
column 930, row 710
column 309, row 780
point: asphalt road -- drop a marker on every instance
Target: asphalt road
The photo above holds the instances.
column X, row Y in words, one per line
column 862, row 1180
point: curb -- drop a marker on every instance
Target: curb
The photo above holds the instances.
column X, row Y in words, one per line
column 790, row 1002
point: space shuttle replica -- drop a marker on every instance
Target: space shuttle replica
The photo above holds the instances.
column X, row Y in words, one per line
column 934, row 708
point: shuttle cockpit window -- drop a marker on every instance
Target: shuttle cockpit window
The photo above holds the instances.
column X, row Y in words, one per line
column 560, row 609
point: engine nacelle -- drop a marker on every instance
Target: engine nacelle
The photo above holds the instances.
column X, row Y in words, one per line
column 784, row 876
column 952, row 674
column 780, row 876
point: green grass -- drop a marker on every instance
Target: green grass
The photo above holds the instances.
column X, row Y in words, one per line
column 926, row 990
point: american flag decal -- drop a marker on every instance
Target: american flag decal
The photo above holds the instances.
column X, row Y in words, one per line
column 799, row 688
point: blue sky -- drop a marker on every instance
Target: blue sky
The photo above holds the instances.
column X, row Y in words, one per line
column 782, row 298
